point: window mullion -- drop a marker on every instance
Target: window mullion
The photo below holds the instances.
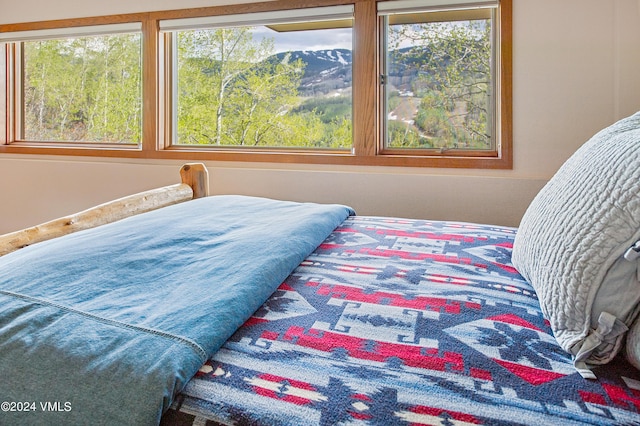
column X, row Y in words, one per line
column 4, row 94
column 150, row 85
column 15, row 100
column 365, row 81
column 505, row 110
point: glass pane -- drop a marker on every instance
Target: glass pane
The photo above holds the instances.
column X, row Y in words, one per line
column 438, row 91
column 261, row 86
column 83, row 89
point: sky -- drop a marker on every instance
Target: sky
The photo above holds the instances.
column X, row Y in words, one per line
column 340, row 38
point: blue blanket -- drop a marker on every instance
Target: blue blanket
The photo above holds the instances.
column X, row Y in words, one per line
column 404, row 322
column 105, row 326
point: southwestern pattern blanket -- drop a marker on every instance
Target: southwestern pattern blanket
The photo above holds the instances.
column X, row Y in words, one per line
column 394, row 321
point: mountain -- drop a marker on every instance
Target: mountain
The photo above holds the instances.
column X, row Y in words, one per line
column 326, row 70
column 318, row 60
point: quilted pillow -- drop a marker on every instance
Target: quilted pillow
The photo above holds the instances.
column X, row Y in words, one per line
column 572, row 241
column 633, row 345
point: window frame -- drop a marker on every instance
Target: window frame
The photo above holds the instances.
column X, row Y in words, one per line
column 17, row 111
column 367, row 149
column 169, row 30
column 439, row 13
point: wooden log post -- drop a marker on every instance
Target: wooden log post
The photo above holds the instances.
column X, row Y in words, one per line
column 195, row 184
column 196, row 176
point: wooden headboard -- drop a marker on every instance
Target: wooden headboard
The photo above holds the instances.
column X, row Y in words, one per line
column 195, row 184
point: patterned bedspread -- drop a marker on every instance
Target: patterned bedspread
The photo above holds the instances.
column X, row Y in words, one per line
column 396, row 321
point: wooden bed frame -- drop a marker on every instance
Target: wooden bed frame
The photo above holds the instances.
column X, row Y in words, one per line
column 195, row 184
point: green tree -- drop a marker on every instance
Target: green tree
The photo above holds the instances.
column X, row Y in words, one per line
column 230, row 93
column 114, row 113
column 452, row 64
column 262, row 99
column 85, row 88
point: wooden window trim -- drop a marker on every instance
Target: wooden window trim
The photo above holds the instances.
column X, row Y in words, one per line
column 367, row 149
column 4, row 96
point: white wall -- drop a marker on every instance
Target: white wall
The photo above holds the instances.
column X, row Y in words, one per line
column 576, row 70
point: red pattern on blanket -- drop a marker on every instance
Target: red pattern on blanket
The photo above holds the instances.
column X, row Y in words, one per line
column 404, row 322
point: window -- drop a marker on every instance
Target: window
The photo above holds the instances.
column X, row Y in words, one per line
column 420, row 83
column 438, row 76
column 79, row 86
column 277, row 79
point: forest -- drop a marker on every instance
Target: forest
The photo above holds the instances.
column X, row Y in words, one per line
column 83, row 89
column 230, row 90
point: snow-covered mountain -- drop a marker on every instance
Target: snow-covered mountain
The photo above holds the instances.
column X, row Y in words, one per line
column 329, row 70
column 325, row 71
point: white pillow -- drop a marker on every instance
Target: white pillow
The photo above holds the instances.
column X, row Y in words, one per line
column 572, row 240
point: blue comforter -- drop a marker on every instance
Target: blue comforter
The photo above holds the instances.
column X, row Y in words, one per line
column 105, row 326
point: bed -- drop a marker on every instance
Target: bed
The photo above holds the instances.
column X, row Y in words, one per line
column 195, row 309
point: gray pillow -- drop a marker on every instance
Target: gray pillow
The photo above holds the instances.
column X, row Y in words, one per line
column 572, row 241
column 633, row 344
